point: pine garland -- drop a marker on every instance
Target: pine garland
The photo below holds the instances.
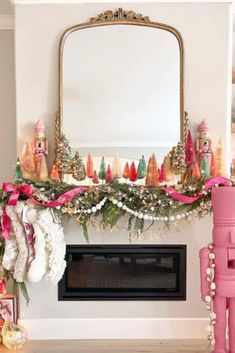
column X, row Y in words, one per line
column 119, row 198
column 108, row 203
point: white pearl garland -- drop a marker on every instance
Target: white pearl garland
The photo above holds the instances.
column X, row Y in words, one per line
column 93, row 209
column 145, row 216
column 148, row 217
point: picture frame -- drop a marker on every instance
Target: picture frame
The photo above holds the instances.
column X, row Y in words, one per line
column 8, row 309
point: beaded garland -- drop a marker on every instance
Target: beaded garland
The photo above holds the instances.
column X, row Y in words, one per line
column 210, row 275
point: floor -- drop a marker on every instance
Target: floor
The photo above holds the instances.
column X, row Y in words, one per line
column 113, row 346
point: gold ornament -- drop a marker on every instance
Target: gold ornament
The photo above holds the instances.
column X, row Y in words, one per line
column 13, row 336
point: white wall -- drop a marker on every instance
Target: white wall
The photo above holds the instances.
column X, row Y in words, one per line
column 7, row 105
column 205, row 30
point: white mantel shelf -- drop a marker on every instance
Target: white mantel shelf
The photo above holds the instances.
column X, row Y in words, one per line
column 36, row 2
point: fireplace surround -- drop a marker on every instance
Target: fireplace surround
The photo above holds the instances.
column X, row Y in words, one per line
column 124, row 272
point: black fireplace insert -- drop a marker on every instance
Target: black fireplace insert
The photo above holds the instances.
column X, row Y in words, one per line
column 124, row 272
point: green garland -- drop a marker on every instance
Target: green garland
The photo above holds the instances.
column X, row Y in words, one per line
column 109, row 202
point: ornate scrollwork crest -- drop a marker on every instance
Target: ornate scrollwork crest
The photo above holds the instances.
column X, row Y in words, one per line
column 120, row 15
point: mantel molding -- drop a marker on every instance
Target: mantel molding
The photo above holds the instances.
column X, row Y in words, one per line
column 38, row 2
column 7, row 22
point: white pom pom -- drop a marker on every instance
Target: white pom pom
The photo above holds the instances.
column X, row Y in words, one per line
column 211, row 256
column 207, row 299
column 213, row 316
column 93, row 209
column 213, row 285
column 119, row 204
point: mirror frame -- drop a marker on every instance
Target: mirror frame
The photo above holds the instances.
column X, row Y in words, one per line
column 120, row 17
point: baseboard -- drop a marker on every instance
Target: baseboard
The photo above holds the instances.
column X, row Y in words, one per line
column 120, row 328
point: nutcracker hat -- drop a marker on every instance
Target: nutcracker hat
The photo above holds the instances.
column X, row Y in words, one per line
column 39, row 127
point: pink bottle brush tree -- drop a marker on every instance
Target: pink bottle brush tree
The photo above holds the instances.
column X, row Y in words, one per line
column 190, row 156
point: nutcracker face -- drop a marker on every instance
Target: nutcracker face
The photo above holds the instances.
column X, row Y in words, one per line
column 204, row 134
column 231, row 258
column 224, row 248
column 204, row 145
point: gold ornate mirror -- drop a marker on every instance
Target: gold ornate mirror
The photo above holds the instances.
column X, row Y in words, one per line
column 121, row 87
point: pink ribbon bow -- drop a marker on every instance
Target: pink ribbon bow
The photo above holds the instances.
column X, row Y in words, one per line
column 14, row 196
column 15, row 192
column 27, row 190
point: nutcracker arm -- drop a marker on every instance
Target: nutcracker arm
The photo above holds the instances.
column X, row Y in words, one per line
column 204, row 264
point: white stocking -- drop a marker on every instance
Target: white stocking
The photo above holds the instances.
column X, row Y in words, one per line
column 15, row 213
column 56, row 245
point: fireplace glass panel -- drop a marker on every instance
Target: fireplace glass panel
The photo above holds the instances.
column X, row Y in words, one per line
column 124, row 272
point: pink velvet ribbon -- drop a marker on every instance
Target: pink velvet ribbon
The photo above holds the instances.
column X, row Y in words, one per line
column 67, row 196
column 27, row 190
column 3, row 286
column 190, row 199
column 5, row 224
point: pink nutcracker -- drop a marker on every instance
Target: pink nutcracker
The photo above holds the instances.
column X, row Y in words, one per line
column 204, row 143
column 219, row 258
column 40, row 151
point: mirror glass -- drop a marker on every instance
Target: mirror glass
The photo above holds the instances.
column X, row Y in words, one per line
column 121, row 92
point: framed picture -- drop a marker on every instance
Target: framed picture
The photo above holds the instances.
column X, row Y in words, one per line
column 8, row 309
